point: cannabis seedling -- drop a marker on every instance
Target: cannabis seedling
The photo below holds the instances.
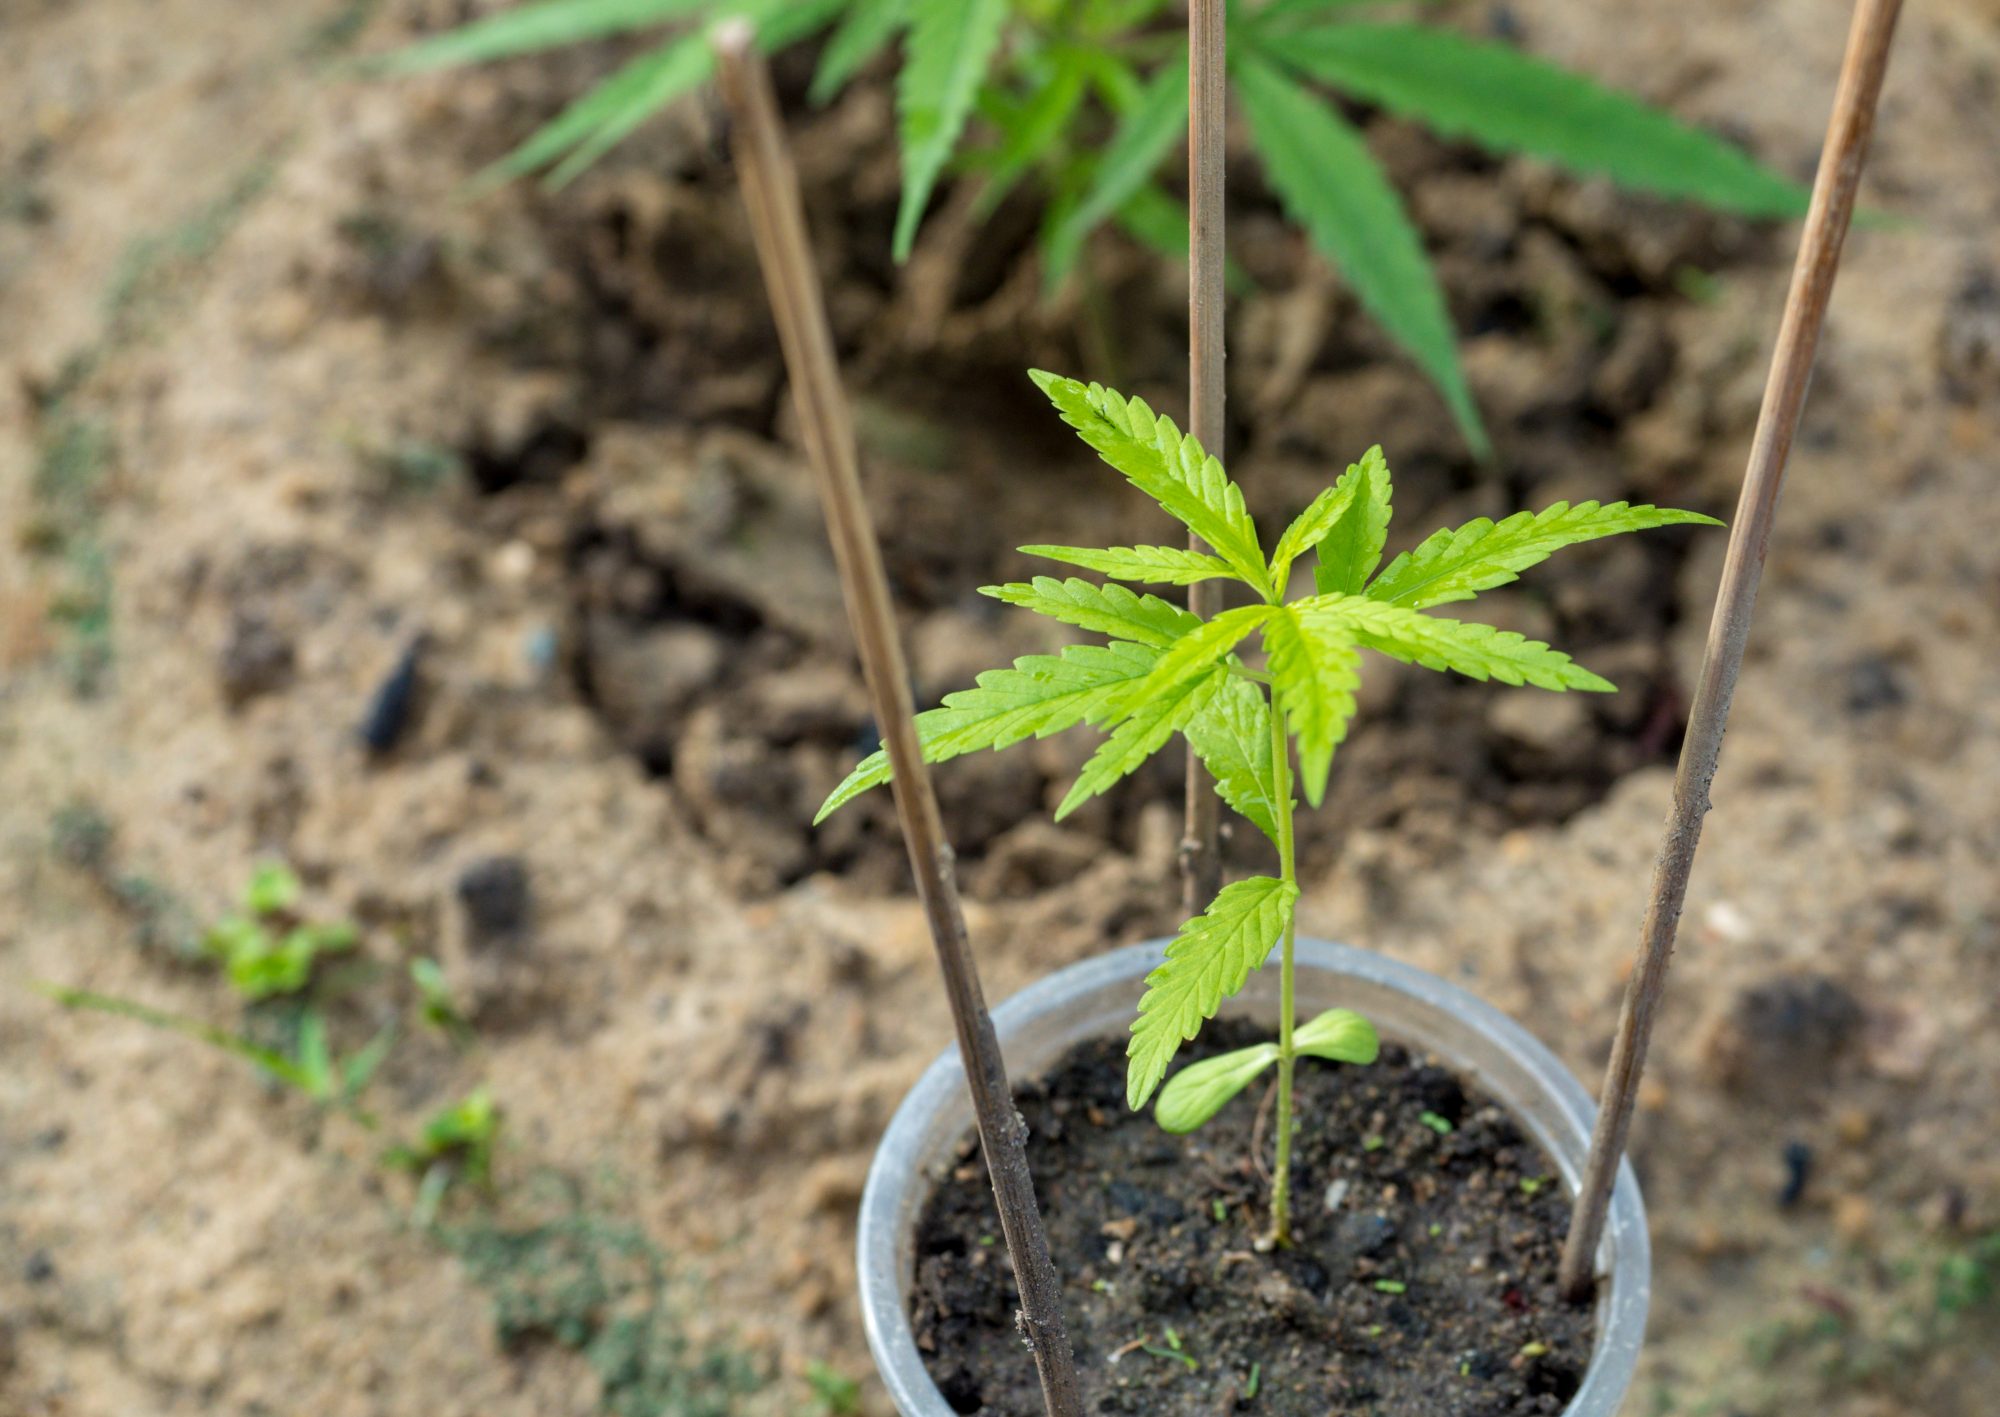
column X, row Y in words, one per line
column 1166, row 671
column 1089, row 99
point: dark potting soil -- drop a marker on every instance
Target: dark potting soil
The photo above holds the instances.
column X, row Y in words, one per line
column 1421, row 1284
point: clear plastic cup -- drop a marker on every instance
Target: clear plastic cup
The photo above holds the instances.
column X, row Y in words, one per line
column 1039, row 1024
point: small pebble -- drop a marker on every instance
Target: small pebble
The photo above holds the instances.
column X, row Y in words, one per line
column 1798, row 1171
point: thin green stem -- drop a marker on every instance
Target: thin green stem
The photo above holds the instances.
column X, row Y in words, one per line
column 1281, row 1184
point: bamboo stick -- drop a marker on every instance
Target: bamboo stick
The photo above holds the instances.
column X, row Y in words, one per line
column 770, row 191
column 1201, row 848
column 1784, row 398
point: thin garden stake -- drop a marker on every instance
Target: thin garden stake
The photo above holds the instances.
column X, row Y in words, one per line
column 771, row 192
column 1784, row 397
column 1201, row 849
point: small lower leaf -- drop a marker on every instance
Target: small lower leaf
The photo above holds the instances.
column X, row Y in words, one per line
column 1339, row 1036
column 1200, row 1090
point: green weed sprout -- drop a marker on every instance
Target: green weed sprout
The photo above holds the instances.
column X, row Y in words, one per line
column 435, row 1003
column 1089, row 99
column 455, row 1146
column 267, row 949
column 1164, row 671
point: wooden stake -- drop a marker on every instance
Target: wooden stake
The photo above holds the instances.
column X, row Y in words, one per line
column 771, row 192
column 1201, row 850
column 1784, row 397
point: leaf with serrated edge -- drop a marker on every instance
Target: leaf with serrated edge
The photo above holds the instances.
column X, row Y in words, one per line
column 1472, row 649
column 1167, row 466
column 1200, row 1090
column 1339, row 1036
column 1232, row 737
column 1307, row 528
column 1458, row 563
column 1141, row 735
column 1206, row 963
column 948, row 47
column 1041, row 695
column 1507, row 101
column 1153, row 565
column 1333, row 187
column 1314, row 669
column 1197, row 651
column 1352, row 547
column 1104, row 609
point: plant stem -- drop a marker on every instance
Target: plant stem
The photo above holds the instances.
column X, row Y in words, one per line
column 1281, row 1175
column 771, row 193
column 1784, row 399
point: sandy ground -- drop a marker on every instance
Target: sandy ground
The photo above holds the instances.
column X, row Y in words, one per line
column 245, row 298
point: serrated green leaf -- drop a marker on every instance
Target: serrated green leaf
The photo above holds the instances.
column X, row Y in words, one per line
column 1352, row 549
column 1146, row 133
column 1307, row 528
column 1103, row 609
column 1041, row 695
column 947, row 50
column 1332, row 186
column 1474, row 650
column 1200, row 1090
column 868, row 28
column 1154, row 565
column 1145, row 730
column 1456, row 564
column 1507, row 101
column 1206, row 963
column 1232, row 737
column 530, row 28
column 1196, row 652
column 1314, row 668
column 1339, row 1036
column 1166, row 465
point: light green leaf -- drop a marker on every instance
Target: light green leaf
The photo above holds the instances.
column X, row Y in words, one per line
column 1334, row 188
column 1232, row 737
column 1196, row 652
column 1206, row 963
column 1103, row 609
column 1041, row 695
column 1339, row 1036
column 866, row 30
column 947, row 50
column 675, row 62
column 273, row 889
column 268, row 1059
column 1352, row 549
column 1314, row 669
column 1457, row 564
column 1506, row 101
column 1146, row 133
column 1143, row 733
column 1307, row 528
column 315, row 1059
column 1155, row 565
column 1474, row 650
column 1199, row 1090
column 528, row 28
column 1167, row 466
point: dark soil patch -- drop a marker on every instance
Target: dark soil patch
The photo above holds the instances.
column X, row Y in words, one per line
column 1426, row 1286
column 1563, row 292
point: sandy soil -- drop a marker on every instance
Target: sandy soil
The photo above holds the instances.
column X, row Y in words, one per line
column 278, row 402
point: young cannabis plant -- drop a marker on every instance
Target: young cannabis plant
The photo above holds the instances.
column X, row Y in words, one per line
column 1089, row 98
column 1165, row 671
